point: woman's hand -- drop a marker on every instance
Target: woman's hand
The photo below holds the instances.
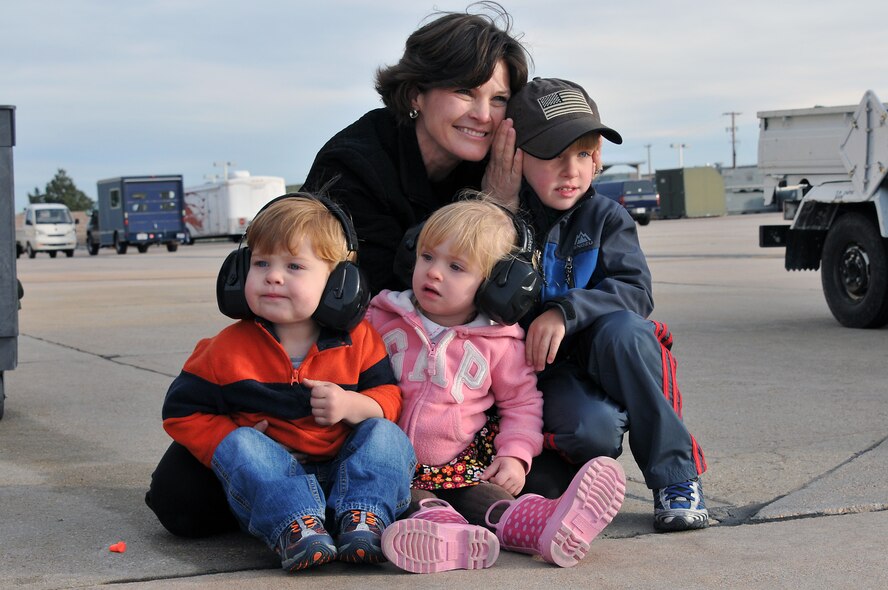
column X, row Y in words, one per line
column 502, row 179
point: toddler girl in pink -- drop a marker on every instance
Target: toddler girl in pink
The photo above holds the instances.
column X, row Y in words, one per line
column 472, row 408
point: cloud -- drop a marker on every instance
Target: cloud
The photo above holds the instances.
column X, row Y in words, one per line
column 106, row 88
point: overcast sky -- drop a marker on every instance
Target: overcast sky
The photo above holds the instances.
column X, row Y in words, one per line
column 106, row 88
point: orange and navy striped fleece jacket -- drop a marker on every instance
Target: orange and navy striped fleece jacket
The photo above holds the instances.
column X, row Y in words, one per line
column 243, row 375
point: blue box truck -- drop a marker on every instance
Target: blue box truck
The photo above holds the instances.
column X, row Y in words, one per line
column 138, row 211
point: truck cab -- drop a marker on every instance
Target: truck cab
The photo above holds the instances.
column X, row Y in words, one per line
column 840, row 224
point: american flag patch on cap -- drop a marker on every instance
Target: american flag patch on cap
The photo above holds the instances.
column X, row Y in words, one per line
column 564, row 102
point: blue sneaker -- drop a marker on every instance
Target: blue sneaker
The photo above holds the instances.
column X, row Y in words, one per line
column 305, row 543
column 360, row 538
column 680, row 507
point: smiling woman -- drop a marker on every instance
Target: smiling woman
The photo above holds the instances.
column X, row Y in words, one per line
column 443, row 129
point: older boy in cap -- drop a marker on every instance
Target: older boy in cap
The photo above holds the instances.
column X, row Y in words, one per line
column 604, row 368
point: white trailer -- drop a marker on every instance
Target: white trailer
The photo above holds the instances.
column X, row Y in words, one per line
column 839, row 157
column 224, row 209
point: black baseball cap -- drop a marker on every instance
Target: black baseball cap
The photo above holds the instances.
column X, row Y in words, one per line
column 550, row 114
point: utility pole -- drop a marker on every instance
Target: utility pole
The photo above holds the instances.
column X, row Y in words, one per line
column 681, row 147
column 733, row 130
column 648, row 146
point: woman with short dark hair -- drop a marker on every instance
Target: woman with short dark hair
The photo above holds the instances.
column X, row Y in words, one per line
column 442, row 129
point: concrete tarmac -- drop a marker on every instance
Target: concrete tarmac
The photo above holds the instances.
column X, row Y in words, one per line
column 790, row 408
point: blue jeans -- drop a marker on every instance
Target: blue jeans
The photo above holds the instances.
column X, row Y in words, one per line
column 268, row 489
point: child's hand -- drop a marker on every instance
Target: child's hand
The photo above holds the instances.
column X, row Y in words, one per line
column 506, row 472
column 329, row 402
column 502, row 178
column 544, row 337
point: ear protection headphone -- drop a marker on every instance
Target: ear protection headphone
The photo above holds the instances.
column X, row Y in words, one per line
column 513, row 286
column 345, row 298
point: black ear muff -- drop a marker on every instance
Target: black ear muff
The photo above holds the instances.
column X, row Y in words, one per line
column 346, row 295
column 345, row 298
column 514, row 285
column 230, row 285
column 405, row 257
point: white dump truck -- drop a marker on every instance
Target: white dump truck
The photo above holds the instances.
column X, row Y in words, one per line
column 835, row 159
column 223, row 209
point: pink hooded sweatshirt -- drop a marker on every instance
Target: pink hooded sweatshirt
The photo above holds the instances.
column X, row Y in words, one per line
column 449, row 384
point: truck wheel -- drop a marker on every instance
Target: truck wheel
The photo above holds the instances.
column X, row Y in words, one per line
column 30, row 251
column 854, row 272
column 644, row 220
column 142, row 248
column 69, row 253
column 52, row 253
column 119, row 247
column 172, row 246
column 92, row 248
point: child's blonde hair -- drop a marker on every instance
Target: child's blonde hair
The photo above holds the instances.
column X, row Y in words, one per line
column 282, row 223
column 482, row 231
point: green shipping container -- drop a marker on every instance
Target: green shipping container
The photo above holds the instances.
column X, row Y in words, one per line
column 691, row 192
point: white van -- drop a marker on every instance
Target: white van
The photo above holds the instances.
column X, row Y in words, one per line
column 49, row 227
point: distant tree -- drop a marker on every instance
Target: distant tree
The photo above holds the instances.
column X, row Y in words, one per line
column 61, row 189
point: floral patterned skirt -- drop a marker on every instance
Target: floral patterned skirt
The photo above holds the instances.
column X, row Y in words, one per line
column 466, row 468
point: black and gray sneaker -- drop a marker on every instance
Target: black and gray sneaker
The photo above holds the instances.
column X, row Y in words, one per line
column 360, row 538
column 305, row 543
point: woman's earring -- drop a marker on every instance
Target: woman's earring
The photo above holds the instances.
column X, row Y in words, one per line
column 413, row 113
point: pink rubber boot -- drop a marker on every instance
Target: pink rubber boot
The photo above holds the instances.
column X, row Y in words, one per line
column 561, row 530
column 436, row 538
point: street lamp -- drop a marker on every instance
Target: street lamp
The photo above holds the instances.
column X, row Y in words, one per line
column 681, row 147
column 224, row 166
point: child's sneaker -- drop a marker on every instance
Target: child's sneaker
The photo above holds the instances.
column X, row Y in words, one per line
column 437, row 538
column 305, row 543
column 560, row 530
column 680, row 507
column 360, row 538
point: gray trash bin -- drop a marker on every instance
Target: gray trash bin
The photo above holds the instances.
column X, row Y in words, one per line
column 9, row 288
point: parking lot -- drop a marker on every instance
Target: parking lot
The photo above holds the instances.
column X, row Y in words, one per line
column 790, row 408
